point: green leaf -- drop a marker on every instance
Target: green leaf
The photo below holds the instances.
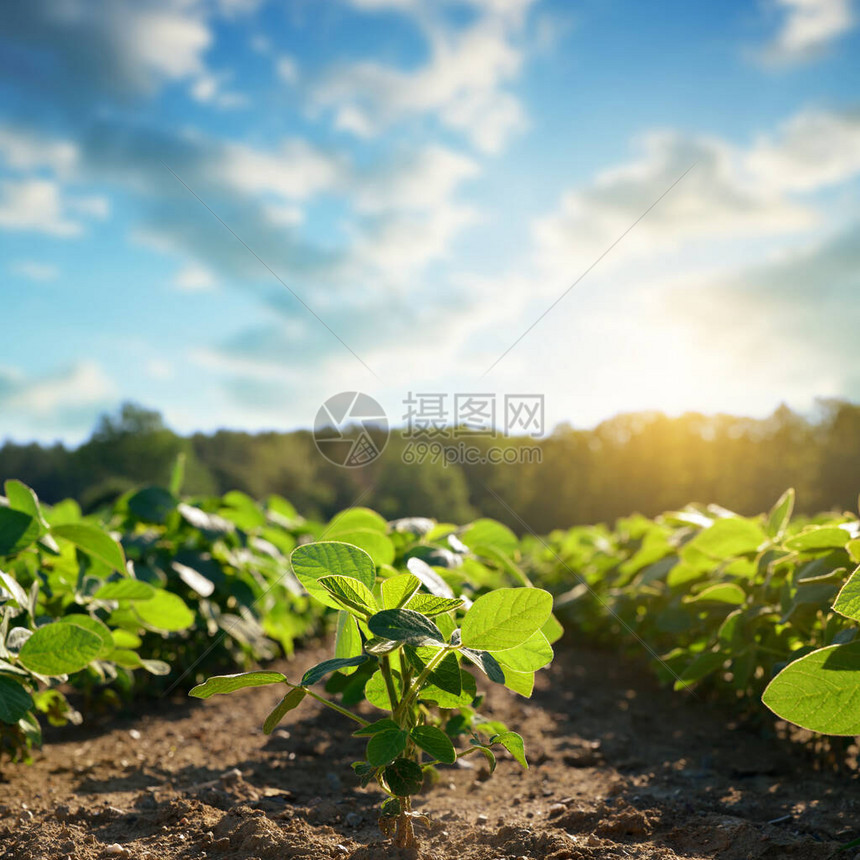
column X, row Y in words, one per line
column 378, row 546
column 489, row 533
column 152, row 504
column 155, row 667
column 241, row 510
column 821, row 691
column 93, row 541
column 15, row 701
column 383, row 725
column 177, row 474
column 489, row 755
column 125, row 639
column 701, row 666
column 125, row 589
column 12, row 587
column 446, row 675
column 352, row 595
column 94, row 626
column 405, row 625
column 520, row 682
column 383, row 747
column 376, row 691
column 430, row 604
column 429, row 578
column 204, row 521
column 17, row 531
column 348, row 639
column 729, row 537
column 404, row 777
column 391, row 808
column 780, row 515
column 513, row 743
column 193, row 579
column 723, row 592
column 357, row 518
column 552, row 630
column 292, row 700
column 444, row 699
column 331, row 558
column 434, row 742
column 818, row 538
column 59, row 649
column 165, row 611
column 397, row 590
column 221, row 684
column 132, row 660
column 318, row 672
column 848, row 600
column 533, row 654
column 22, row 498
column 487, row 663
column 505, row 618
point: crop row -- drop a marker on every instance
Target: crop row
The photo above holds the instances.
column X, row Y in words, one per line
column 750, row 607
column 159, row 591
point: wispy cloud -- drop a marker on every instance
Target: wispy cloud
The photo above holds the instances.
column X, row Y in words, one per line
column 33, row 270
column 69, row 398
column 463, row 85
column 40, row 205
column 808, row 29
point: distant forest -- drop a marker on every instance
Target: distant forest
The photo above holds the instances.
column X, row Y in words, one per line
column 643, row 462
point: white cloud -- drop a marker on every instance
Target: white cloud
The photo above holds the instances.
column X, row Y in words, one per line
column 23, row 150
column 284, row 216
column 164, row 42
column 403, row 244
column 158, row 368
column 93, row 205
column 85, row 384
column 209, row 88
column 33, row 270
column 716, row 199
column 462, row 83
column 287, row 69
column 426, row 179
column 814, row 149
column 809, row 27
column 194, row 277
column 296, row 171
column 36, row 205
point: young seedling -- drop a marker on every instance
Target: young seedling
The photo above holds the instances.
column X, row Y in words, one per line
column 402, row 646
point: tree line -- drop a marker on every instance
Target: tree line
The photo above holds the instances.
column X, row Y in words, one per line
column 645, row 462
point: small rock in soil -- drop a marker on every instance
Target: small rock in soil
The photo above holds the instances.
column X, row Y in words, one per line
column 231, row 776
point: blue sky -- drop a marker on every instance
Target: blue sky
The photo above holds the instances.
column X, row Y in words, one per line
column 429, row 177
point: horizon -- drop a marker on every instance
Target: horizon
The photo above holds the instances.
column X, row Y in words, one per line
column 813, row 416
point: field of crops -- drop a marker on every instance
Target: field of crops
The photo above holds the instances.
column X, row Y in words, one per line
column 412, row 650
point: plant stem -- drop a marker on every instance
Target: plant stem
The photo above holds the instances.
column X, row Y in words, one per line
column 413, row 691
column 332, row 705
column 385, row 668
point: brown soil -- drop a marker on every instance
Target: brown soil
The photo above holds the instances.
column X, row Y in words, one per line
column 620, row 769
